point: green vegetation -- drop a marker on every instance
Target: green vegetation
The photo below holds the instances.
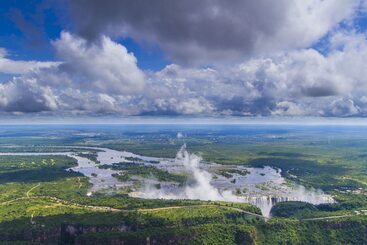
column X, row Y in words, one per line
column 134, row 169
column 338, row 231
column 41, row 201
column 90, row 155
column 293, row 209
column 32, row 169
column 228, row 173
column 200, row 234
column 35, row 207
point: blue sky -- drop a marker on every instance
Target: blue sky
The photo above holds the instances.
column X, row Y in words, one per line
column 170, row 58
column 19, row 44
column 45, row 19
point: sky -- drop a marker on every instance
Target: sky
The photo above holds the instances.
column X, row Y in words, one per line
column 175, row 59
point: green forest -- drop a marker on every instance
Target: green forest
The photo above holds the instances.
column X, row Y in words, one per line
column 42, row 201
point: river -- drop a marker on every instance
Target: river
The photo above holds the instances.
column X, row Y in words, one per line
column 262, row 187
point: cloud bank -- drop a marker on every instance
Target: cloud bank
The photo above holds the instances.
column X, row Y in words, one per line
column 212, row 30
column 304, row 59
column 17, row 67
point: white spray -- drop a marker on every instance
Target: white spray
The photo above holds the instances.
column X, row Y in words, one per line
column 201, row 189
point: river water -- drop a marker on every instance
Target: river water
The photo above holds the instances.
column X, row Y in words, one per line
column 262, row 187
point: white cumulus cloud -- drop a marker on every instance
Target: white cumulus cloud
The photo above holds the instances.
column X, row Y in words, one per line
column 105, row 67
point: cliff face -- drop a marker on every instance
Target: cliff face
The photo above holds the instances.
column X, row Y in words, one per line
column 179, row 239
column 202, row 234
column 69, row 232
column 32, row 235
column 64, row 233
column 273, row 232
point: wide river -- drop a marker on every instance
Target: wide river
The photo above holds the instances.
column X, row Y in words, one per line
column 262, row 187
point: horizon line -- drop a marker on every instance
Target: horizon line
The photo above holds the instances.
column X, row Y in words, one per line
column 355, row 121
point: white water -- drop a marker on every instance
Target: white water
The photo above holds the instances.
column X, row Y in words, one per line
column 222, row 189
column 205, row 187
